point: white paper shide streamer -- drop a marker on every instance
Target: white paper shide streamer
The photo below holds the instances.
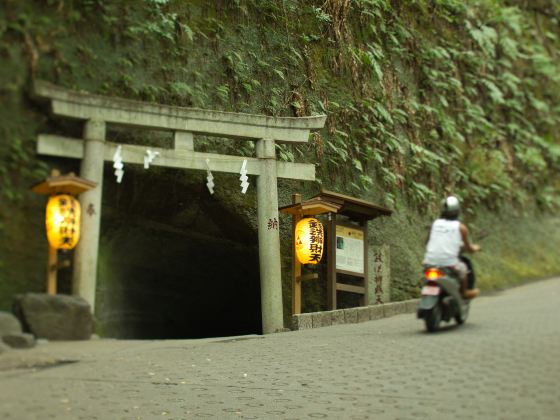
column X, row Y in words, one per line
column 209, row 178
column 244, row 178
column 149, row 158
column 118, row 164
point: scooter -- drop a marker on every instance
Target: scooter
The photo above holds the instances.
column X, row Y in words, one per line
column 441, row 297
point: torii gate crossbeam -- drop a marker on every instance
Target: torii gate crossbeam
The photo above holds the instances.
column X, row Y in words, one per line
column 93, row 150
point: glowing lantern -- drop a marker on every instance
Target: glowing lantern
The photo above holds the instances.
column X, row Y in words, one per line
column 309, row 239
column 62, row 217
column 63, row 221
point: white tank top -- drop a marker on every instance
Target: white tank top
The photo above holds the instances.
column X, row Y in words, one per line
column 445, row 243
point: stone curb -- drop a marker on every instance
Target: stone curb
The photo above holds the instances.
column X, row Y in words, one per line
column 352, row 315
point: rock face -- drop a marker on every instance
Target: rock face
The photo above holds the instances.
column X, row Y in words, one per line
column 55, row 317
column 11, row 334
column 19, row 341
column 9, row 324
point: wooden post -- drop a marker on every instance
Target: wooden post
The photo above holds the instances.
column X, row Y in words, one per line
column 269, row 239
column 331, row 261
column 296, row 265
column 51, row 270
column 85, row 256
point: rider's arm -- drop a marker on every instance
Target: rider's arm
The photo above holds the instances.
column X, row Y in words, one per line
column 467, row 245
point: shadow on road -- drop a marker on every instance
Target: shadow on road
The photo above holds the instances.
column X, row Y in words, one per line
column 445, row 328
column 450, row 327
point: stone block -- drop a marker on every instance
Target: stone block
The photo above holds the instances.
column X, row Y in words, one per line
column 376, row 312
column 363, row 314
column 390, row 309
column 411, row 305
column 55, row 317
column 337, row 317
column 3, row 347
column 9, row 324
column 277, row 331
column 400, row 308
column 393, row 308
column 19, row 340
column 350, row 315
column 302, row 322
column 322, row 319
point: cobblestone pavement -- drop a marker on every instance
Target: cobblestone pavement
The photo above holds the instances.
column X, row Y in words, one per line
column 504, row 363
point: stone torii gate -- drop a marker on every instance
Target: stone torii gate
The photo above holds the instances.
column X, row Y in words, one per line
column 98, row 111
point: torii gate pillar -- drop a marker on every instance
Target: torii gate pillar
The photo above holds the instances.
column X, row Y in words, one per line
column 269, row 239
column 85, row 255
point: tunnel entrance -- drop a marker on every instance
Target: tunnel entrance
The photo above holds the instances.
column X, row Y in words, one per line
column 100, row 113
column 175, row 262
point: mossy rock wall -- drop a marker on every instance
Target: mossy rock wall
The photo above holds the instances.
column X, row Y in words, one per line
column 423, row 99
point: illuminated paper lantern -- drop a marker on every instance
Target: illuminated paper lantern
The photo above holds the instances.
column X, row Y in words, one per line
column 63, row 221
column 309, row 240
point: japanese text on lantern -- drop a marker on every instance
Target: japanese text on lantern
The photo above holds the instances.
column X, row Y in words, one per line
column 309, row 238
column 62, row 221
column 315, row 240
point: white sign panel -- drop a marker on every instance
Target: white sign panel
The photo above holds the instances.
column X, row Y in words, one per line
column 349, row 249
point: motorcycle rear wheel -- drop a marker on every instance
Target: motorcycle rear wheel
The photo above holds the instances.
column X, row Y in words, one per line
column 433, row 318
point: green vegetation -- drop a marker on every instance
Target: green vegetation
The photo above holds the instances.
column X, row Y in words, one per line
column 422, row 98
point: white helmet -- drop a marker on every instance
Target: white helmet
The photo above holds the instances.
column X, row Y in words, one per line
column 450, row 208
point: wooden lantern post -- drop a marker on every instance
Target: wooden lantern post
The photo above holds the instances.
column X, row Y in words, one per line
column 296, row 265
column 298, row 210
column 56, row 184
column 352, row 231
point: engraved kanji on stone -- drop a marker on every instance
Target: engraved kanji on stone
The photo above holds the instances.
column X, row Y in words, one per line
column 272, row 224
column 91, row 209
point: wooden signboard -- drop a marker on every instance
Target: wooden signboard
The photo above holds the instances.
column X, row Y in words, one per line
column 347, row 254
column 350, row 250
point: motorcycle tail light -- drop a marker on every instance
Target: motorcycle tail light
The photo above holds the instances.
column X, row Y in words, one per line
column 433, row 273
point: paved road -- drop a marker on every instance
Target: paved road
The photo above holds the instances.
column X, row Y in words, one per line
column 504, row 363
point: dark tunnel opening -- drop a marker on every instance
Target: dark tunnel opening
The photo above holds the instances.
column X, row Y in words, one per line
column 175, row 262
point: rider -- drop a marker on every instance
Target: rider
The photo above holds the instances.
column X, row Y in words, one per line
column 448, row 237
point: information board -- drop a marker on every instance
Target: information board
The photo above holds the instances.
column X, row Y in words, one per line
column 349, row 249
